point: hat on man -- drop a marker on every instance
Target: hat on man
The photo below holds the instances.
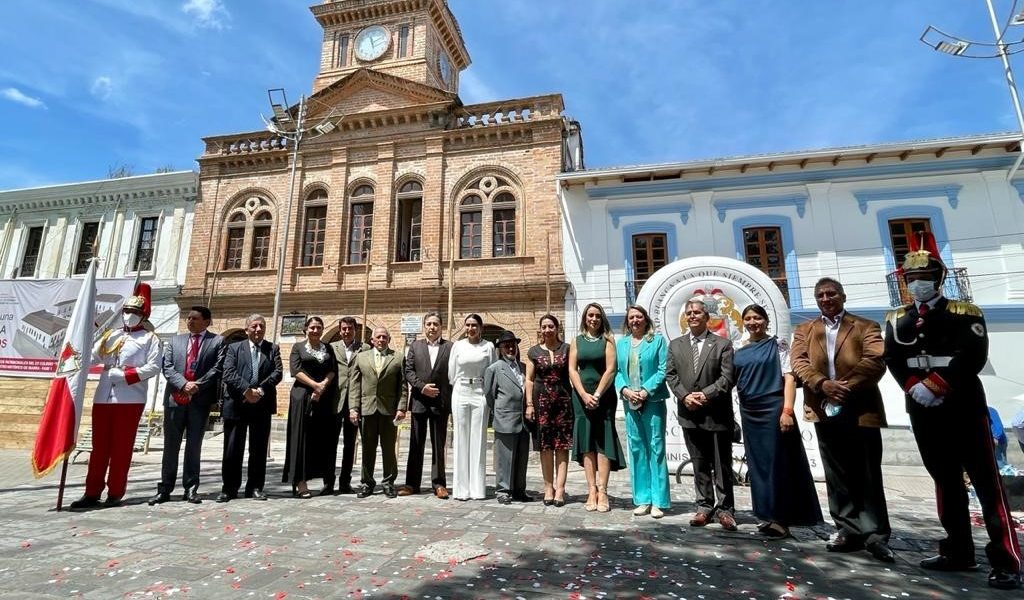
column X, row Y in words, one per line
column 508, row 336
column 924, row 257
column 140, row 301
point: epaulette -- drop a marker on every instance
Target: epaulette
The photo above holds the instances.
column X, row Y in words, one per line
column 895, row 314
column 958, row 307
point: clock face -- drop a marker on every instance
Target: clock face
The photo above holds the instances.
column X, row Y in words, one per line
column 445, row 67
column 372, row 42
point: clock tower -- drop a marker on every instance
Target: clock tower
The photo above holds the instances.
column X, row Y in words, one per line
column 418, row 40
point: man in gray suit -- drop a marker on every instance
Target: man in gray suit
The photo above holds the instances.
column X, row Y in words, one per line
column 345, row 351
column 192, row 366
column 377, row 402
column 699, row 373
column 503, row 390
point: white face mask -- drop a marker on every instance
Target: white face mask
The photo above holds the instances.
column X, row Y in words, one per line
column 131, row 319
column 921, row 290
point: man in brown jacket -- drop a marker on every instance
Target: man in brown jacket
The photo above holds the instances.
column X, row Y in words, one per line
column 838, row 358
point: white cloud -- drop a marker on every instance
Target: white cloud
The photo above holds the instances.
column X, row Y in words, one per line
column 101, row 87
column 16, row 95
column 210, row 14
column 473, row 89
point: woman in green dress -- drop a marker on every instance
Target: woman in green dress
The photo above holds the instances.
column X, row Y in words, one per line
column 592, row 374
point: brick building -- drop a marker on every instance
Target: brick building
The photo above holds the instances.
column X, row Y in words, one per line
column 401, row 189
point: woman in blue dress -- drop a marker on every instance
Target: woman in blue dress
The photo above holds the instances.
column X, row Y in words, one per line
column 782, row 488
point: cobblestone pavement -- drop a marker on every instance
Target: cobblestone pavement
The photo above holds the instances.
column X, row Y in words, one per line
column 421, row 547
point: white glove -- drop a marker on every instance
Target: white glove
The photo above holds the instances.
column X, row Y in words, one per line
column 116, row 374
column 924, row 396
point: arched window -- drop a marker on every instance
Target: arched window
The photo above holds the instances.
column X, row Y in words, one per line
column 488, row 207
column 314, row 228
column 470, row 227
column 360, row 233
column 249, row 225
column 410, row 222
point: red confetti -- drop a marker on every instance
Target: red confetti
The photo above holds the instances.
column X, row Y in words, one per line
column 280, row 595
column 236, row 585
column 790, row 587
column 229, row 529
column 229, row 570
column 112, row 564
column 26, row 544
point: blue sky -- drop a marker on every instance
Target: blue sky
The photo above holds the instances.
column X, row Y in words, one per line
column 89, row 84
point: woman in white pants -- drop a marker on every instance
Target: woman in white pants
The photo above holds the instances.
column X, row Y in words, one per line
column 469, row 358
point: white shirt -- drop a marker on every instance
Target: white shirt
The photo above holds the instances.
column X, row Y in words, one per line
column 831, row 333
column 434, row 348
column 515, row 369
column 931, row 303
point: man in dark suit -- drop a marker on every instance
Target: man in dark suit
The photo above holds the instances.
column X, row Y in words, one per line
column 700, row 374
column 377, row 402
column 935, row 348
column 430, row 400
column 345, row 351
column 192, row 365
column 503, row 390
column 838, row 358
column 252, row 370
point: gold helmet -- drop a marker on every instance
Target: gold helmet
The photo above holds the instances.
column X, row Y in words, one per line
column 924, row 258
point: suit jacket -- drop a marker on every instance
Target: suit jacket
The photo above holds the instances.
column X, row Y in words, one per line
column 504, row 395
column 238, row 378
column 372, row 392
column 714, row 377
column 209, row 366
column 419, row 373
column 343, row 375
column 859, row 350
column 653, row 358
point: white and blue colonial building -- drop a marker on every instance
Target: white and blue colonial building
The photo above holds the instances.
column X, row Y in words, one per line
column 845, row 213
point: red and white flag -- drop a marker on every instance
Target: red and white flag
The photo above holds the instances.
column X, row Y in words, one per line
column 58, row 427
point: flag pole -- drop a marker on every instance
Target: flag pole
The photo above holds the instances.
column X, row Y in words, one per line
column 60, row 488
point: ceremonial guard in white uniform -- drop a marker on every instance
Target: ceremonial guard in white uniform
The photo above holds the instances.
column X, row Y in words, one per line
column 130, row 356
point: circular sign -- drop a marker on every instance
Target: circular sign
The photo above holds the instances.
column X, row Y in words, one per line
column 725, row 285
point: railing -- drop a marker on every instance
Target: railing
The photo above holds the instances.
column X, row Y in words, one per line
column 956, row 287
column 246, row 144
column 513, row 111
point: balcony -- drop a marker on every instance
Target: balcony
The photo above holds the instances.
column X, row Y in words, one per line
column 956, row 287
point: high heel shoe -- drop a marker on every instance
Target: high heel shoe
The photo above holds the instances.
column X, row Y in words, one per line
column 559, row 502
column 602, row 505
column 591, row 504
column 549, row 501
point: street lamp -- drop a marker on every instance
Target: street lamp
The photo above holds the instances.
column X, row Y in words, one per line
column 289, row 128
column 957, row 46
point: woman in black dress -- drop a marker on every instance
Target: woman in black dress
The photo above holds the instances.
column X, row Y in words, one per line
column 309, row 409
column 550, row 406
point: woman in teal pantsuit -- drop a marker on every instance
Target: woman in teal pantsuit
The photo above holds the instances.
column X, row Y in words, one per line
column 640, row 379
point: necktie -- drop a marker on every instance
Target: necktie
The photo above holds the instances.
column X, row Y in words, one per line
column 255, row 363
column 696, row 355
column 191, row 357
column 921, row 312
column 378, row 361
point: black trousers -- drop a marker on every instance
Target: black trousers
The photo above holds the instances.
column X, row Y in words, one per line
column 852, row 458
column 951, row 444
column 435, row 426
column 511, row 453
column 187, row 421
column 347, row 431
column 711, row 453
column 235, row 430
column 379, row 428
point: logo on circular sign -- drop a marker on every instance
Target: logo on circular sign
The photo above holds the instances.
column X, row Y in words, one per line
column 725, row 285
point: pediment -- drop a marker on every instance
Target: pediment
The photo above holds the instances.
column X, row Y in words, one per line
column 365, row 91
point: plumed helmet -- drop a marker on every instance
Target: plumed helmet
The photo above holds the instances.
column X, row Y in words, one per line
column 924, row 257
column 141, row 300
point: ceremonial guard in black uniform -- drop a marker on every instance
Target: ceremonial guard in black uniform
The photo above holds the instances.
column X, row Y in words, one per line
column 935, row 348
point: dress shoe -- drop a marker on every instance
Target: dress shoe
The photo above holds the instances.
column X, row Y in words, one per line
column 840, row 542
column 1001, row 579
column 259, row 494
column 700, row 519
column 881, row 551
column 442, row 492
column 346, row 489
column 504, row 499
column 945, row 563
column 225, row 497
column 727, row 521
column 113, row 501
column 558, row 502
column 643, row 509
column 159, row 498
column 390, row 491
column 549, row 501
column 192, row 497
column 327, row 491
column 522, row 497
column 407, row 490
column 85, row 502
column 363, row 491
column 657, row 513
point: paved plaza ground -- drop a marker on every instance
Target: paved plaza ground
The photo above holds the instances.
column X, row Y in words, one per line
column 421, row 547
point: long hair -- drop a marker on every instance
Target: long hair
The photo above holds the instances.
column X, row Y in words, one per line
column 606, row 327
column 553, row 319
column 648, row 331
